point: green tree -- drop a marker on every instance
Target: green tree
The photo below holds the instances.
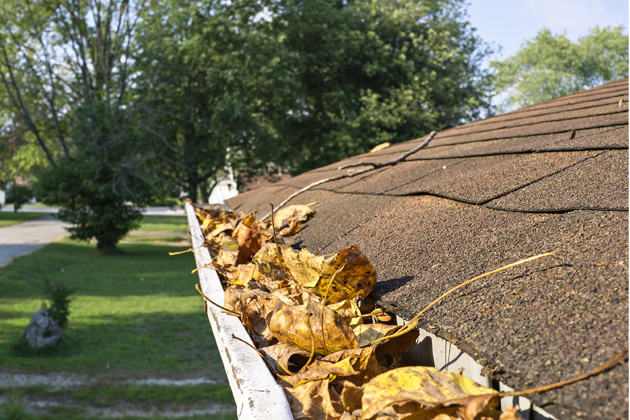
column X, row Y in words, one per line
column 192, row 65
column 357, row 73
column 66, row 69
column 550, row 66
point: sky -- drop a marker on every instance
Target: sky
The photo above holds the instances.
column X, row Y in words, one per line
column 509, row 23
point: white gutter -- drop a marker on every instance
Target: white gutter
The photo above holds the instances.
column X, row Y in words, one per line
column 256, row 393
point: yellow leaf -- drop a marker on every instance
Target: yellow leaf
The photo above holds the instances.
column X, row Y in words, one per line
column 422, row 388
column 354, row 275
column 302, row 325
column 380, row 147
column 251, row 218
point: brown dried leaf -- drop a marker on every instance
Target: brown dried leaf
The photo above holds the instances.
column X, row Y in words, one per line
column 419, row 388
column 286, row 358
column 348, row 309
column 356, row 365
column 255, row 307
column 290, row 324
column 315, row 400
column 298, row 213
column 292, row 229
column 351, row 395
column 249, row 243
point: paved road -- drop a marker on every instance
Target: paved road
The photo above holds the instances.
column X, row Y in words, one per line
column 26, row 237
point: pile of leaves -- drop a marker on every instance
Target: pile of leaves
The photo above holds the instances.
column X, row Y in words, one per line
column 311, row 319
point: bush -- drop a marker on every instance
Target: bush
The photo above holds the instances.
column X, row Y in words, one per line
column 19, row 195
column 58, row 304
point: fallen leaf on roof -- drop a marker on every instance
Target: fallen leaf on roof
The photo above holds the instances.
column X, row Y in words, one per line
column 295, row 213
column 380, row 147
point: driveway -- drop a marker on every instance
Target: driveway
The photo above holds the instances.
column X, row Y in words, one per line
column 26, row 237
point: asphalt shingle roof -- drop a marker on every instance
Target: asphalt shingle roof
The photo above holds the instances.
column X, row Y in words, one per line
column 486, row 194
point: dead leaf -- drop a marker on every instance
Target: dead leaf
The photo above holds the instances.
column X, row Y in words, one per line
column 354, row 275
column 422, row 388
column 302, row 325
column 285, row 358
column 314, row 401
column 356, row 365
column 249, row 243
column 348, row 309
column 298, row 213
column 255, row 307
column 380, row 147
column 292, row 229
column 351, row 395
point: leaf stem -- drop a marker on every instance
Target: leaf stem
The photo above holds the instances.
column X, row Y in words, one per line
column 257, row 351
column 214, row 303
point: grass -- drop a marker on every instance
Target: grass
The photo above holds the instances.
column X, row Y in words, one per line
column 164, row 224
column 133, row 311
column 9, row 218
column 134, row 314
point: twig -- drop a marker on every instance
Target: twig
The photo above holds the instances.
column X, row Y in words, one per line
column 560, row 384
column 414, row 321
column 214, row 303
column 424, row 144
column 315, row 184
column 350, row 175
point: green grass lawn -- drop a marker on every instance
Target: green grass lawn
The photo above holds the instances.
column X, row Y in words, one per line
column 135, row 313
column 8, row 218
column 164, row 224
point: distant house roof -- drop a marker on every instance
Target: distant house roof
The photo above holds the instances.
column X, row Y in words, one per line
column 550, row 177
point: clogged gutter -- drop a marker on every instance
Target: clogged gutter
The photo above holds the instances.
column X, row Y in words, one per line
column 332, row 358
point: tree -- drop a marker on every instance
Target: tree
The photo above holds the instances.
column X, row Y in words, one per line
column 550, row 66
column 357, row 73
column 65, row 66
column 191, row 87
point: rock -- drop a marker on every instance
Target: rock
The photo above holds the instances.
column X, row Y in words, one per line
column 42, row 330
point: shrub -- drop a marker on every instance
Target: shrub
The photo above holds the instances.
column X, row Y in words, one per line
column 58, row 304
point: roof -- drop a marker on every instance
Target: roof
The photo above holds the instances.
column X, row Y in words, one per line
column 550, row 177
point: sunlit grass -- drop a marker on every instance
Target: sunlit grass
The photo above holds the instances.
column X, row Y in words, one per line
column 133, row 311
column 164, row 224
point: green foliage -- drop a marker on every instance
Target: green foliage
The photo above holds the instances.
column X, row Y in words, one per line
column 550, row 66
column 295, row 85
column 58, row 301
column 100, row 188
column 69, row 94
column 12, row 408
column 351, row 75
column 19, row 195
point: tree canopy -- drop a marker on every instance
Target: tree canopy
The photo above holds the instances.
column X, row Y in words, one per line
column 550, row 66
column 128, row 99
column 66, row 69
